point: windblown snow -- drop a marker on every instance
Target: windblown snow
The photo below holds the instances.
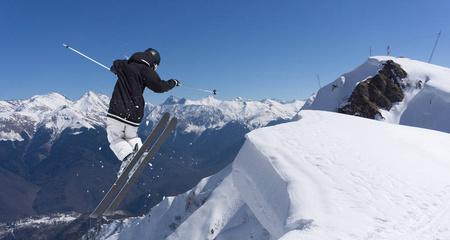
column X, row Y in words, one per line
column 427, row 106
column 325, row 176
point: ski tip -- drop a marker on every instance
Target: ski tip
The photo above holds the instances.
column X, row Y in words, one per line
column 65, row 45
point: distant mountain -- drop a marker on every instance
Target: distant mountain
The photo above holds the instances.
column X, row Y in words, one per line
column 56, row 151
column 22, row 118
column 58, row 113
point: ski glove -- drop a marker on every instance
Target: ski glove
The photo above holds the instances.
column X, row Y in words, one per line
column 174, row 82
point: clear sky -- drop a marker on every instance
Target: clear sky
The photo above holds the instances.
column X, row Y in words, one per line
column 250, row 49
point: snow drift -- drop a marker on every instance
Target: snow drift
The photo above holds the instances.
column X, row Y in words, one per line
column 331, row 176
column 326, row 176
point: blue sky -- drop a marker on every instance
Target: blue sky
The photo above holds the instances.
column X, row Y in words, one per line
column 251, row 49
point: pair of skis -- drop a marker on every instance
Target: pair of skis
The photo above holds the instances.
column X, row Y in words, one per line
column 119, row 190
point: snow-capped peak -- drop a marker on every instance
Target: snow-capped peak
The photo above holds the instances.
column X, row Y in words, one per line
column 53, row 96
column 172, row 100
column 92, row 102
column 426, row 91
column 54, row 111
column 207, row 101
column 46, row 102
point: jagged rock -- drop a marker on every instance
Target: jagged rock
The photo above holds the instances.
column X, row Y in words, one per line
column 381, row 91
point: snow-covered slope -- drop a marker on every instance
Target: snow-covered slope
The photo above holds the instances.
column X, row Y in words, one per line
column 326, row 176
column 57, row 113
column 331, row 176
column 426, row 88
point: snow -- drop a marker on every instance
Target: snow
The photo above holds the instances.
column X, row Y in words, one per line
column 426, row 107
column 53, row 111
column 331, row 96
column 211, row 218
column 92, row 103
column 167, row 215
column 46, row 220
column 198, row 115
column 364, row 180
column 37, row 222
column 10, row 136
column 6, row 106
column 325, row 176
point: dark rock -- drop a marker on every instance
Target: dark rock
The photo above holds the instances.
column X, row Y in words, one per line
column 380, row 91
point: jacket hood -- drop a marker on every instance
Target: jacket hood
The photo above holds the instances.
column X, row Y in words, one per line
column 146, row 58
column 140, row 57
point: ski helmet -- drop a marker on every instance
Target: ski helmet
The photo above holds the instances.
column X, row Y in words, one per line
column 155, row 58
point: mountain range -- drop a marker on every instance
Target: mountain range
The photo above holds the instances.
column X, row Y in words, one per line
column 54, row 154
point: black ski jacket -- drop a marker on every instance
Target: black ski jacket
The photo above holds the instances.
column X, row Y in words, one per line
column 127, row 101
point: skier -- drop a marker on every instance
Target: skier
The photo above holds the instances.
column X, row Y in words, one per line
column 126, row 108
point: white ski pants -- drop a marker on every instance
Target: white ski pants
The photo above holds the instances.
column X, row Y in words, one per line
column 122, row 137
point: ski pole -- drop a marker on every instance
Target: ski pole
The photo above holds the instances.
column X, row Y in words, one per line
column 214, row 91
column 85, row 56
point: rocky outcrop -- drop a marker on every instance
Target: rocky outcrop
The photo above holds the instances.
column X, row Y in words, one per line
column 380, row 91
